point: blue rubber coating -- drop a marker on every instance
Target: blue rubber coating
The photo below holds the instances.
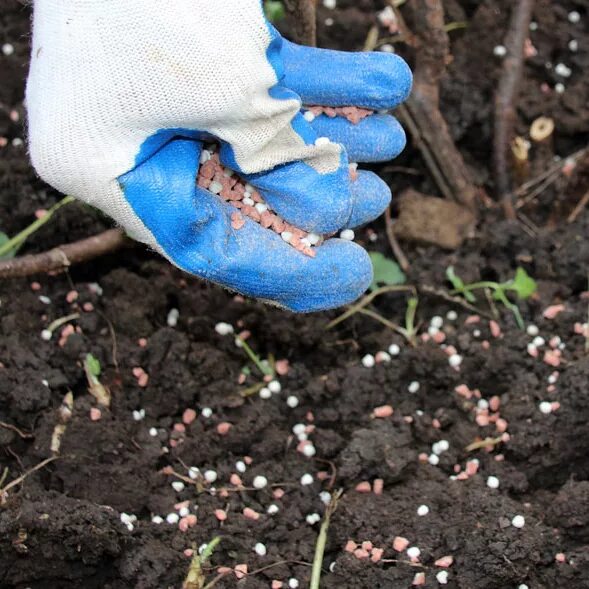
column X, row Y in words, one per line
column 193, row 228
column 377, row 138
column 372, row 80
column 370, row 197
column 311, row 201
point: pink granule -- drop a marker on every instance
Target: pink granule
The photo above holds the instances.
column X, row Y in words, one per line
column 219, row 180
column 354, row 114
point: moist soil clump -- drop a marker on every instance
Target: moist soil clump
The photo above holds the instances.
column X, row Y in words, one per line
column 181, row 455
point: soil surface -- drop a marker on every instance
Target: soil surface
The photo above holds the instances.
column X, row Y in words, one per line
column 89, row 518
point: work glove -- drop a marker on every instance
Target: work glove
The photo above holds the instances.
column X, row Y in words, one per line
column 121, row 96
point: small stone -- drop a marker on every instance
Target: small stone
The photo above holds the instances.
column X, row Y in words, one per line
column 292, row 401
column 178, row 486
column 574, row 17
column 347, row 234
column 499, row 51
column 518, row 521
column 7, row 49
column 260, row 549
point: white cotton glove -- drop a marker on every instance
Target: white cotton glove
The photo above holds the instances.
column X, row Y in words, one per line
column 121, row 94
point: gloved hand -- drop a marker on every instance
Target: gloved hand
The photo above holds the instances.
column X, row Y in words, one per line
column 121, row 96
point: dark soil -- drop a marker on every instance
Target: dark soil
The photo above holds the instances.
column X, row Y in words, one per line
column 62, row 527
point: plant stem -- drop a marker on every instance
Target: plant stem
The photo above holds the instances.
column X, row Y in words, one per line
column 366, row 301
column 410, row 318
column 322, row 541
column 195, row 578
column 397, row 328
column 18, row 240
column 61, row 321
column 265, row 370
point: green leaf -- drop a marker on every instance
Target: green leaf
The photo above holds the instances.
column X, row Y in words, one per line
column 523, row 284
column 459, row 285
column 3, row 240
column 386, row 271
column 93, row 365
column 274, row 10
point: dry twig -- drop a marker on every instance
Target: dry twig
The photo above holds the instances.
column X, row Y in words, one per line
column 305, row 20
column 505, row 98
column 66, row 255
column 20, row 479
column 421, row 113
column 579, row 208
column 15, row 429
column 397, row 251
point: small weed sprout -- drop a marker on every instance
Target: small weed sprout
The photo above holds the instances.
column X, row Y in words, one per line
column 523, row 285
column 93, row 369
column 387, row 273
column 10, row 246
column 195, row 579
column 264, row 366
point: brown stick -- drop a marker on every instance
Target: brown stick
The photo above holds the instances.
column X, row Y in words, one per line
column 21, row 478
column 505, row 98
column 65, row 255
column 579, row 208
column 305, row 20
column 421, row 112
column 16, row 430
column 397, row 251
